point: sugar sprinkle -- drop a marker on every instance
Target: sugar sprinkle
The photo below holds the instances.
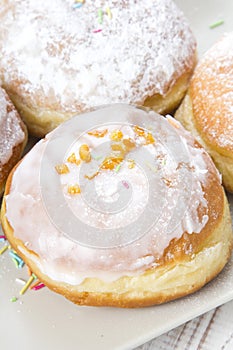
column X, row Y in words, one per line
column 125, row 184
column 109, row 13
column 216, row 24
column 100, row 16
column 13, row 299
column 20, row 281
column 4, row 249
column 27, row 284
column 97, row 30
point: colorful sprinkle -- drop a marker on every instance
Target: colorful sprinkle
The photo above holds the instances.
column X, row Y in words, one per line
column 27, row 285
column 117, row 168
column 100, row 16
column 14, row 255
column 163, row 162
column 39, row 286
column 2, row 238
column 4, row 249
column 20, row 281
column 109, row 13
column 216, row 24
column 96, row 157
column 77, row 5
column 35, row 284
column 97, row 30
column 13, row 299
column 125, row 184
column 15, row 262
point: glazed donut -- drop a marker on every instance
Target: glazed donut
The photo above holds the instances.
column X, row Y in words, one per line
column 207, row 109
column 13, row 137
column 129, row 215
column 60, row 58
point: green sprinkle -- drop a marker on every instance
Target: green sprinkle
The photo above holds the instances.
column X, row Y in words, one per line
column 96, row 157
column 100, row 15
column 117, row 168
column 13, row 299
column 216, row 24
column 163, row 162
column 15, row 262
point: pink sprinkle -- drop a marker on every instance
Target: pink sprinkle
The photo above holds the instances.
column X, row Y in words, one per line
column 125, row 184
column 3, row 237
column 97, row 30
column 39, row 286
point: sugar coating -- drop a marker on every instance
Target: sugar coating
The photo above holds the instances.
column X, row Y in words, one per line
column 212, row 94
column 11, row 130
column 64, row 58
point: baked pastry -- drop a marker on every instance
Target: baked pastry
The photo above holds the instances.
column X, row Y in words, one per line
column 126, row 214
column 13, row 137
column 60, row 58
column 207, row 109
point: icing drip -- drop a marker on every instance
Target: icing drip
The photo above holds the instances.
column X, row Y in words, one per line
column 63, row 258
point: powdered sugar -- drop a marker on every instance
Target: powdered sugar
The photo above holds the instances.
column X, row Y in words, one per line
column 212, row 94
column 11, row 130
column 51, row 54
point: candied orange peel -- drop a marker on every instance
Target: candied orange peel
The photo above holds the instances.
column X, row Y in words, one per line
column 84, row 153
column 72, row 159
column 98, row 133
column 116, row 135
column 62, row 169
column 74, row 189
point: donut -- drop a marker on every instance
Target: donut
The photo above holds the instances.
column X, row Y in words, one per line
column 125, row 213
column 207, row 108
column 13, row 137
column 60, row 57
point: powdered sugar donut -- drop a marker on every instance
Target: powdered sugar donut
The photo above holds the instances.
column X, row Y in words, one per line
column 13, row 137
column 207, row 109
column 59, row 58
column 129, row 215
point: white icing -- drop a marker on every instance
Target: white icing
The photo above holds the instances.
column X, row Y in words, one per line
column 11, row 130
column 65, row 260
column 50, row 55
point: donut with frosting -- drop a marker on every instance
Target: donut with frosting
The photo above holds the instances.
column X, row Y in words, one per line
column 207, row 108
column 126, row 213
column 62, row 57
column 13, row 137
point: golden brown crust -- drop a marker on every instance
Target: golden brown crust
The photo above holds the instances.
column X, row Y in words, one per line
column 207, row 109
column 222, row 160
column 169, row 102
column 42, row 120
column 173, row 278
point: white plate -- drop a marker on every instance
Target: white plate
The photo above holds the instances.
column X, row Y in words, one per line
column 44, row 320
